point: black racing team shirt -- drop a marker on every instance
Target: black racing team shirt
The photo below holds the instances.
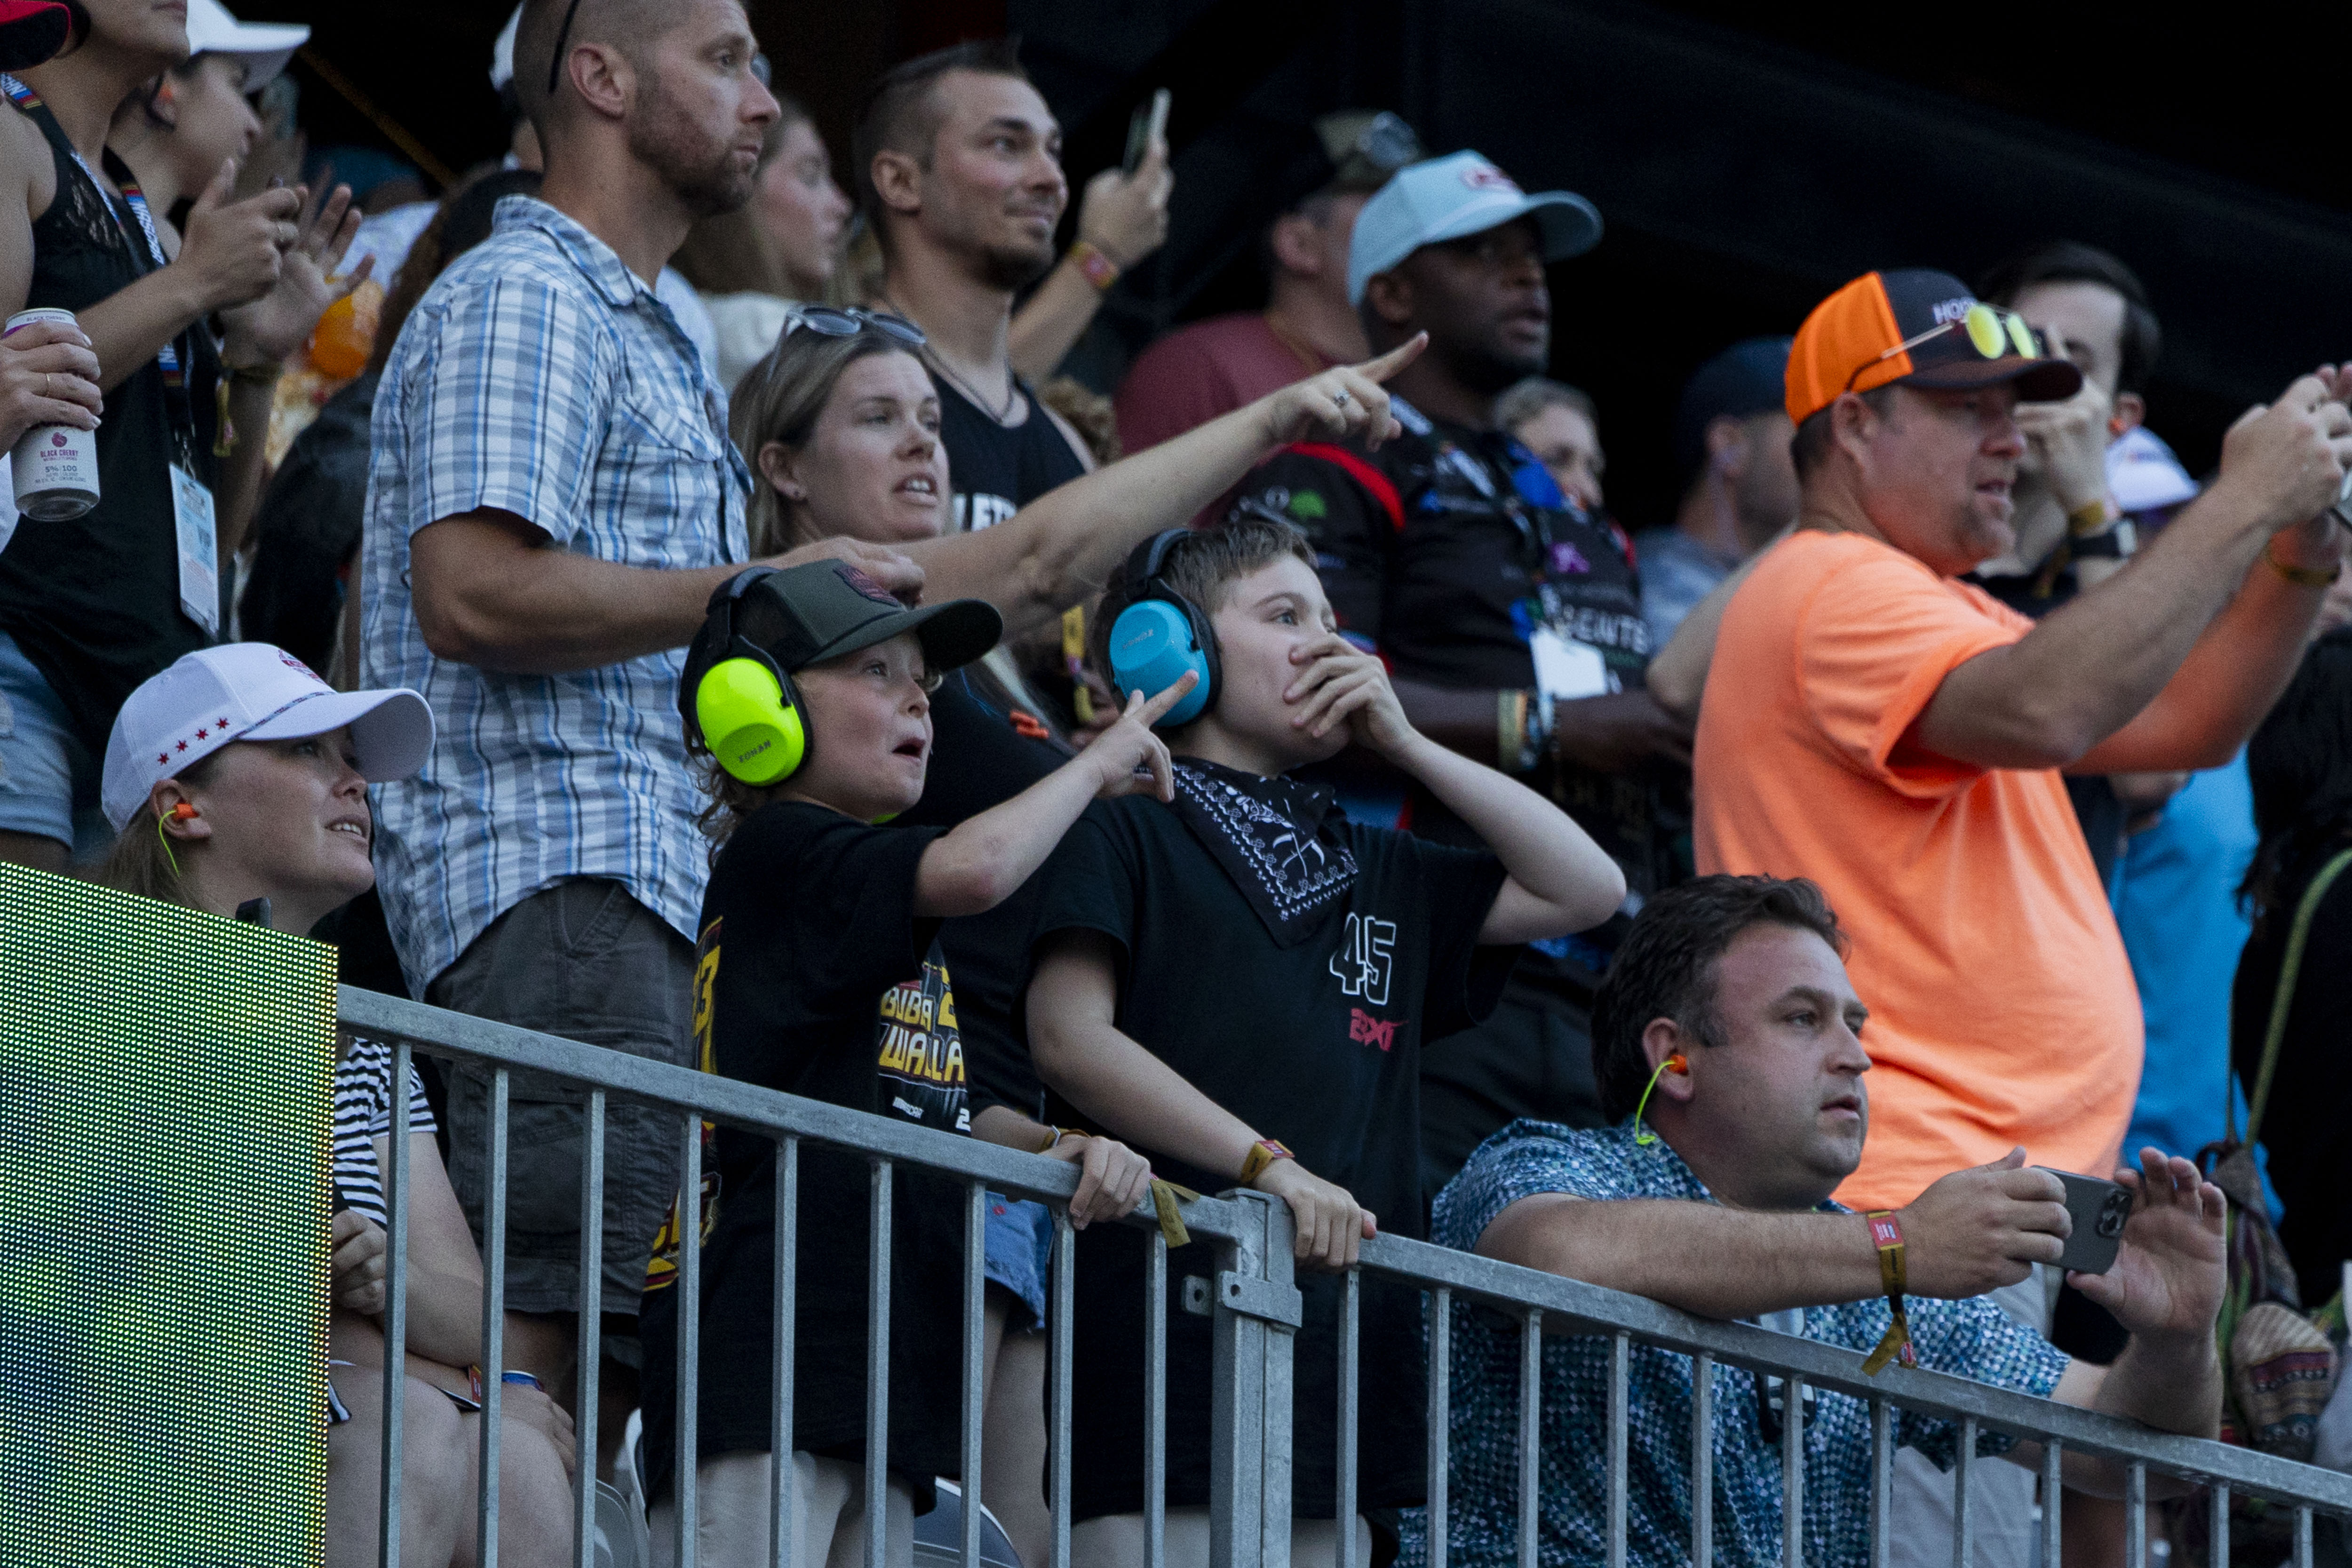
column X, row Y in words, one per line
column 1315, row 1043
column 1443, row 552
column 814, row 976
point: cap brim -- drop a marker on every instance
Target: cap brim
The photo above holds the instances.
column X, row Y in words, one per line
column 263, row 47
column 31, row 32
column 2037, row 380
column 953, row 634
column 391, row 731
column 1567, row 223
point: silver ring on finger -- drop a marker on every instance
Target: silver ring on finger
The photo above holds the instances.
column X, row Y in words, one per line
column 48, row 385
column 1340, row 398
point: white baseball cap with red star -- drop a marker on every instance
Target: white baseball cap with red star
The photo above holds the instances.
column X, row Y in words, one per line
column 251, row 691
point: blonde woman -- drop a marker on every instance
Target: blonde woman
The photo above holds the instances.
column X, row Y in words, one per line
column 237, row 781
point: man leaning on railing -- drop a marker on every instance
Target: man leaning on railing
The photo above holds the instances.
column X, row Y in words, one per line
column 1730, row 1003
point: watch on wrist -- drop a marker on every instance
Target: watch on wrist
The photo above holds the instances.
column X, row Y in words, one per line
column 2117, row 543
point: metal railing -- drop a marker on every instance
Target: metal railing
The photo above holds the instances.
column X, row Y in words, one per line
column 1255, row 1306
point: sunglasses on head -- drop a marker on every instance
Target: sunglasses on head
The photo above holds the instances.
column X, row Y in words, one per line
column 1991, row 333
column 836, row 321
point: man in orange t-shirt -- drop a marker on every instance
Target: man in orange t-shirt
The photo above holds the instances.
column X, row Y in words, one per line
column 1898, row 737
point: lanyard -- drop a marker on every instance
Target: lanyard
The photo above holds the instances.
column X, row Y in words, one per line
column 168, row 357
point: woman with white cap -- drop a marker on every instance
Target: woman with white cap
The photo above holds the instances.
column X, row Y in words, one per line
column 237, row 781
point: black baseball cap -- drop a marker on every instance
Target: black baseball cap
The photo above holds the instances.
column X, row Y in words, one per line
column 803, row 616
column 33, row 31
column 1921, row 328
column 1749, row 377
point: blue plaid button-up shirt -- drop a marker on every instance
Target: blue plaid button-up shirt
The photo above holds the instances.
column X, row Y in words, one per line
column 540, row 376
column 1972, row 1339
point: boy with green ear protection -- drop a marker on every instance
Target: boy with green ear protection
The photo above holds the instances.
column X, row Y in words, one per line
column 818, row 972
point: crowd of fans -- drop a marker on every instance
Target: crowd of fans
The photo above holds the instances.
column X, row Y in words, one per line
column 743, row 653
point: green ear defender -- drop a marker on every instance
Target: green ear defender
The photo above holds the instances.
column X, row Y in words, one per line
column 742, row 704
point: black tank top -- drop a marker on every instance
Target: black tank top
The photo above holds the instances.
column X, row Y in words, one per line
column 95, row 601
column 997, row 471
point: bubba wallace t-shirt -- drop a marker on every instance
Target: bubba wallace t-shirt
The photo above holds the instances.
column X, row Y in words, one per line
column 1291, row 965
column 814, row 976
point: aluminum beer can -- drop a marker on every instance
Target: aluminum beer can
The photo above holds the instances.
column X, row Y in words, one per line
column 55, row 466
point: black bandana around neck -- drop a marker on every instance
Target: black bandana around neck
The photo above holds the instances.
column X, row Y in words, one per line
column 1275, row 839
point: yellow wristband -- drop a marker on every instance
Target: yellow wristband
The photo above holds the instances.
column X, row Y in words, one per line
column 1053, row 1136
column 2092, row 517
column 2301, row 576
column 1262, row 1153
column 1886, row 1236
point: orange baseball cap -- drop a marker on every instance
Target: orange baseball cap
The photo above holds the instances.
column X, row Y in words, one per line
column 1922, row 328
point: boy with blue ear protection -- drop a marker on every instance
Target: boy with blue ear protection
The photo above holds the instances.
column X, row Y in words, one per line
column 1241, row 983
column 818, row 972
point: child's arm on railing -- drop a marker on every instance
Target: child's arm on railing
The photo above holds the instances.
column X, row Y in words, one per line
column 1085, row 1058
column 1112, row 1177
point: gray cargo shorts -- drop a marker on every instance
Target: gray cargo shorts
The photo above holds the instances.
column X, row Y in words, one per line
column 585, row 961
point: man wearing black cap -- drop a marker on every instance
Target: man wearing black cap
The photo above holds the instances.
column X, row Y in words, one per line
column 1510, row 617
column 1731, row 445
column 1897, row 736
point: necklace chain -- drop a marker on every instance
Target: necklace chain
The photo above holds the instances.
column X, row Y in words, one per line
column 938, row 361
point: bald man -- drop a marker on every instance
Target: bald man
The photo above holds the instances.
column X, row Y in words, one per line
column 552, row 500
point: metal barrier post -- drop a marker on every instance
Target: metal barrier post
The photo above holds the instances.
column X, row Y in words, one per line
column 395, row 1313
column 1256, row 1309
column 585, row 1430
column 494, row 1321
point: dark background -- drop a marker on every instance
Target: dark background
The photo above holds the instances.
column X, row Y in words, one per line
column 1746, row 163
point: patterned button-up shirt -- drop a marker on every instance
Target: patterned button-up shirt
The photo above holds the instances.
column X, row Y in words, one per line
column 540, row 376
column 1970, row 1338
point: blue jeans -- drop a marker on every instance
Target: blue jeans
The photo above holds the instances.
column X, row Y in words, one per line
column 1017, row 1247
column 48, row 780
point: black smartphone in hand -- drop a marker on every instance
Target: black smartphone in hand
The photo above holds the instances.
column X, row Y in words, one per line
column 2098, row 1209
column 1149, row 123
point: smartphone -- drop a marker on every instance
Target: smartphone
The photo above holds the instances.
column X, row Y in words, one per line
column 2098, row 1210
column 1148, row 124
column 2342, row 510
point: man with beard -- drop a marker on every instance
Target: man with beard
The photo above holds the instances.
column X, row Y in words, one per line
column 1510, row 617
column 958, row 169
column 552, row 501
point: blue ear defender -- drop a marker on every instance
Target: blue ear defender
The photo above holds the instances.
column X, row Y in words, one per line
column 743, row 706
column 1160, row 634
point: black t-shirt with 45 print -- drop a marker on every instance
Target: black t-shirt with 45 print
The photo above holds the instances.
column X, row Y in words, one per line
column 1451, row 553
column 814, row 976
column 1293, row 966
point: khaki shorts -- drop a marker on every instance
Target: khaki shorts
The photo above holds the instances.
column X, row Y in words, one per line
column 585, row 961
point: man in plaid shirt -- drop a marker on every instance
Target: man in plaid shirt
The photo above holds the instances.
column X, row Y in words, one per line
column 551, row 499
column 1730, row 996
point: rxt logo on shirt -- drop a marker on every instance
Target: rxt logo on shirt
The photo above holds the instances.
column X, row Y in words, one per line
column 1363, row 961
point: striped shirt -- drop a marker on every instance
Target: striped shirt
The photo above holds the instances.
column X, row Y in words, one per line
column 363, row 1115
column 540, row 376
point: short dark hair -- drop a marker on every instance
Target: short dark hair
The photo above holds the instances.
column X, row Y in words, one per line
column 898, row 114
column 1202, row 567
column 1808, row 449
column 1666, row 969
column 2072, row 261
column 632, row 26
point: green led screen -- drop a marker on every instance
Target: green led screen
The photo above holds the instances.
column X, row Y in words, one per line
column 165, row 1082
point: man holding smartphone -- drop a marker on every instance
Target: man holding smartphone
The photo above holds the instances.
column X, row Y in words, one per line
column 1728, row 1045
column 1877, row 725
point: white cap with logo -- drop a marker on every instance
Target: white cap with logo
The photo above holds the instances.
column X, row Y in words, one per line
column 251, row 691
column 1450, row 197
column 264, row 47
